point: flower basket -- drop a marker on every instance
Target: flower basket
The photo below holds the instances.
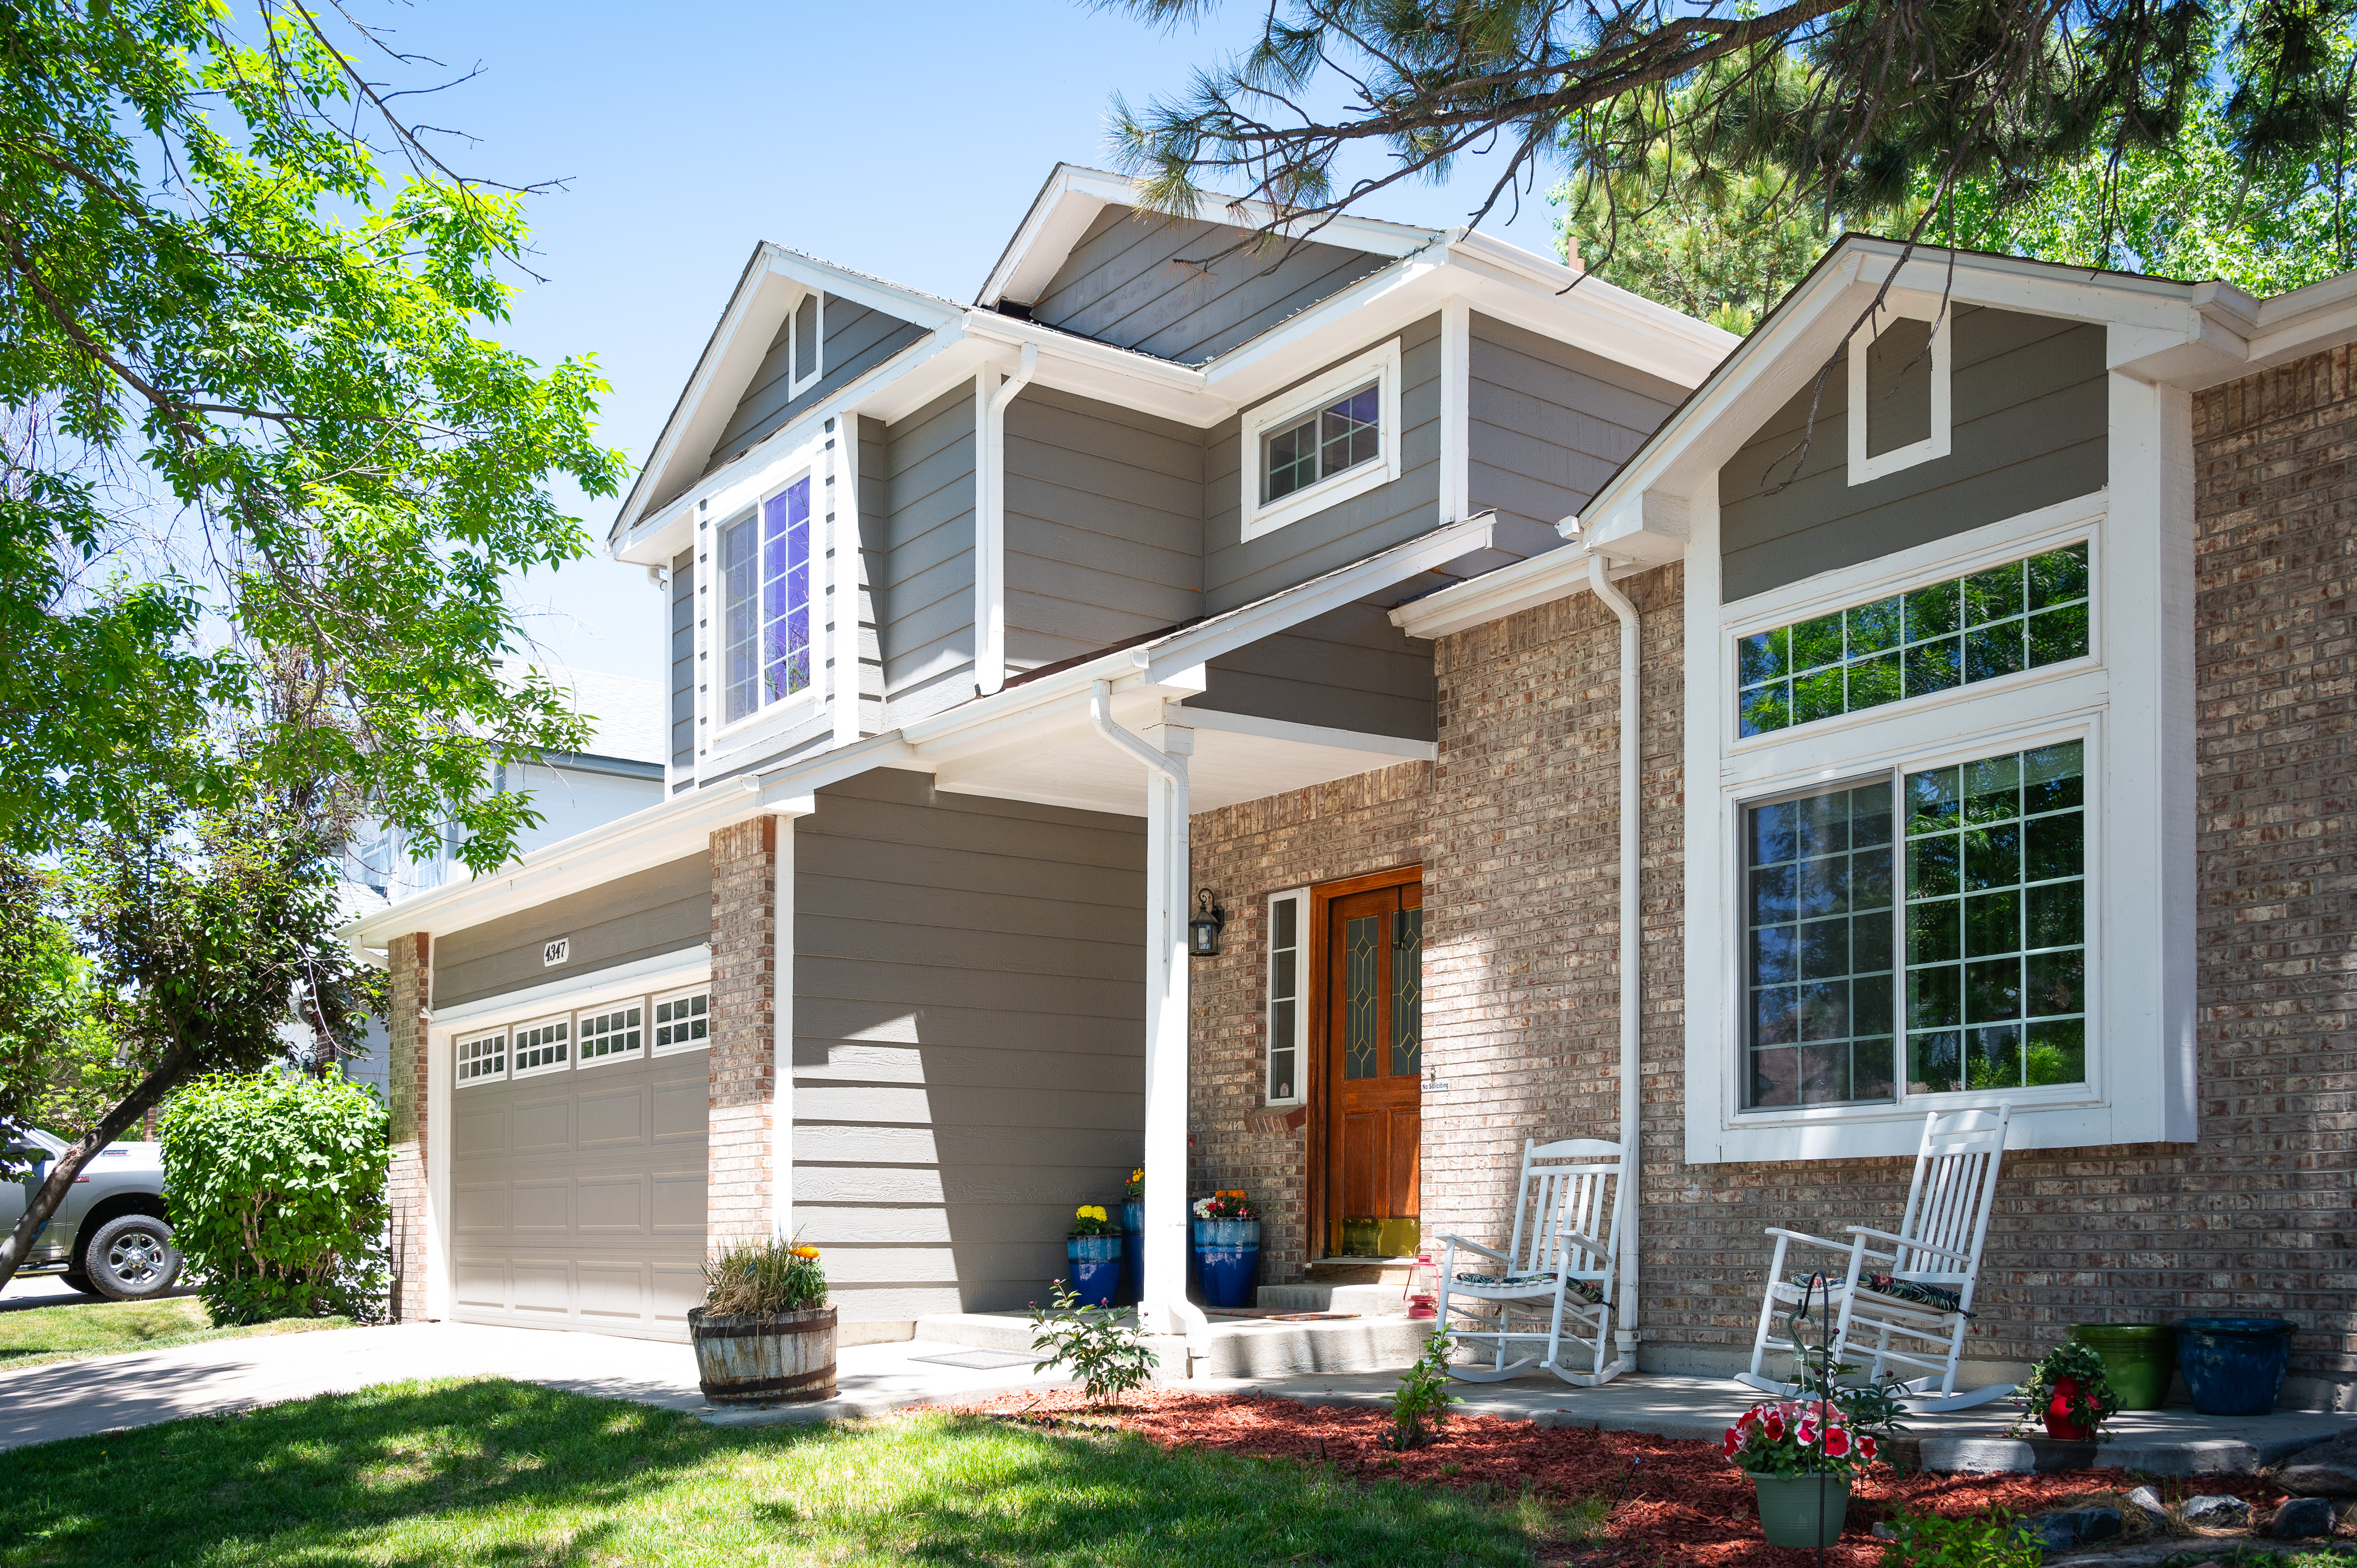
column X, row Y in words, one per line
column 1801, row 1510
column 1802, row 1456
column 2070, row 1389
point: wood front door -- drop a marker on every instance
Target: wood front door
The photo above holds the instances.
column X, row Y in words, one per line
column 1373, row 1068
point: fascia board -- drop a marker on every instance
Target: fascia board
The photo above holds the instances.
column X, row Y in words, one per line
column 876, row 293
column 667, row 440
column 1338, row 325
column 1535, row 580
column 2011, row 283
column 1565, row 304
column 1101, row 370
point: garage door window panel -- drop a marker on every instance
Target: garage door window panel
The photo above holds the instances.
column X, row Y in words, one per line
column 483, row 1059
column 682, row 1022
column 613, row 1033
column 544, row 1047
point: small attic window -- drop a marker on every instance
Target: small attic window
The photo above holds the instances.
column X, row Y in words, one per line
column 808, row 361
column 1899, row 396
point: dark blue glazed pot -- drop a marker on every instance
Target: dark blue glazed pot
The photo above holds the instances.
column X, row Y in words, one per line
column 2233, row 1366
column 1227, row 1254
column 1094, row 1263
column 1132, row 1251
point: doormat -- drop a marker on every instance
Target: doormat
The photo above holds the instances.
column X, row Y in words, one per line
column 982, row 1360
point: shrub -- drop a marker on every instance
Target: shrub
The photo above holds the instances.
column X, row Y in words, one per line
column 1420, row 1408
column 1106, row 1354
column 276, row 1187
column 1983, row 1541
column 762, row 1277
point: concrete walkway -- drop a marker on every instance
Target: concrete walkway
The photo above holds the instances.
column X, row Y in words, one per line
column 108, row 1393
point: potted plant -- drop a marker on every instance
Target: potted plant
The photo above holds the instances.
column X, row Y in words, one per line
column 1802, row 1456
column 1092, row 1249
column 1227, row 1247
column 2140, row 1357
column 2073, row 1392
column 1132, row 1235
column 765, row 1334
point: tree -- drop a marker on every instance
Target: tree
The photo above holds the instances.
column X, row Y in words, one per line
column 1849, row 105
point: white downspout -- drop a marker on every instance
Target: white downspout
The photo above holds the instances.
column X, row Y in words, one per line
column 990, row 531
column 1632, row 910
column 1165, row 1309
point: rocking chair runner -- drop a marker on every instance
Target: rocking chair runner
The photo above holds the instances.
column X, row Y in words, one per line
column 1553, row 1284
column 1919, row 1290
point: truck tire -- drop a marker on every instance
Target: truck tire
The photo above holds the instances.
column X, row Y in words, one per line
column 76, row 1280
column 131, row 1258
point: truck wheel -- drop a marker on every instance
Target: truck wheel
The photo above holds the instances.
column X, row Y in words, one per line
column 132, row 1258
column 76, row 1280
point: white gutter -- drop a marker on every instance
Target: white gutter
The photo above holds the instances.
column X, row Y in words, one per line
column 1165, row 1309
column 990, row 520
column 1599, row 581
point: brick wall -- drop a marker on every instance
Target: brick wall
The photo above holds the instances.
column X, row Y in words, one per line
column 738, row 1204
column 409, row 995
column 1244, row 854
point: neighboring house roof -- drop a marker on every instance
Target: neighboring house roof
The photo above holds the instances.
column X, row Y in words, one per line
column 628, row 717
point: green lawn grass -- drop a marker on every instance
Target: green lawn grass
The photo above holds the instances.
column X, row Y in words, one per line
column 493, row 1472
column 37, row 1335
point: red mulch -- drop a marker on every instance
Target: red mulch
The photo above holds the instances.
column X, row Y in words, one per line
column 1682, row 1494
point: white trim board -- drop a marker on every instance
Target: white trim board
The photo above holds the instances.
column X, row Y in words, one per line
column 663, row 971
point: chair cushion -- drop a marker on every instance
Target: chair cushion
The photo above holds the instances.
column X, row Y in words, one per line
column 1592, row 1294
column 1945, row 1298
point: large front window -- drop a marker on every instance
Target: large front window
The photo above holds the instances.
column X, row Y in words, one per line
column 1818, row 948
column 765, row 562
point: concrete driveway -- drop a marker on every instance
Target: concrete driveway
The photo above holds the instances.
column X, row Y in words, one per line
column 108, row 1393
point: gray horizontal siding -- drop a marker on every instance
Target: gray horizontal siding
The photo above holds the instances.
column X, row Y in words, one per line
column 925, row 592
column 682, row 665
column 1349, row 669
column 2029, row 412
column 1128, row 283
column 969, row 1029
column 661, row 910
column 1237, row 571
column 1103, row 525
column 1547, row 423
column 857, row 339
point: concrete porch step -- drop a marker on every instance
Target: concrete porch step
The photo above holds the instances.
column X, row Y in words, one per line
column 1367, row 1301
column 1232, row 1348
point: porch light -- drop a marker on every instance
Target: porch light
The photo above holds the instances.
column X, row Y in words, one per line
column 1203, row 931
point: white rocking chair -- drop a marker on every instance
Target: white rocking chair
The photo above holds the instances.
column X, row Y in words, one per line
column 1552, row 1285
column 1919, row 1289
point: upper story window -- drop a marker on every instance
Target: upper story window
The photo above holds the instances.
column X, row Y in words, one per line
column 1322, row 443
column 765, row 574
column 1898, row 381
column 2020, row 615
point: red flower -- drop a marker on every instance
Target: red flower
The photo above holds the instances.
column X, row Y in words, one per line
column 1773, row 1426
column 1866, row 1447
column 1808, row 1433
column 1733, row 1443
column 1836, row 1442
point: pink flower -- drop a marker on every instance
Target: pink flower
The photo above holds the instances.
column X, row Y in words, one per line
column 1808, row 1434
column 1774, row 1426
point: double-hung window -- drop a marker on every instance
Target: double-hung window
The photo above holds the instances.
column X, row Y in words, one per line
column 765, row 573
column 1319, row 444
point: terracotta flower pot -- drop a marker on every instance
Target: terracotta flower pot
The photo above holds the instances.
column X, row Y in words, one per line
column 2058, row 1414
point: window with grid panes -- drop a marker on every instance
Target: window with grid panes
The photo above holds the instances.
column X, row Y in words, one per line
column 765, row 568
column 1287, row 1021
column 481, row 1057
column 1338, row 437
column 616, row 1032
column 1997, row 930
column 545, row 1046
column 1818, row 950
column 2015, row 616
column 682, row 1022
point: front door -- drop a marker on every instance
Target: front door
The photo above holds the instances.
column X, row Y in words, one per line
column 1374, row 1059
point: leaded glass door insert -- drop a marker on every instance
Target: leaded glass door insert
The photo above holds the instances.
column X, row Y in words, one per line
column 1375, row 1051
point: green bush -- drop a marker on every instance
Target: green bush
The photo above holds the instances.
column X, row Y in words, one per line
column 1980, row 1541
column 276, row 1185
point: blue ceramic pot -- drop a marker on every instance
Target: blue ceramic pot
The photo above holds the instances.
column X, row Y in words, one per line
column 1132, row 1251
column 1094, row 1263
column 2233, row 1366
column 1227, row 1255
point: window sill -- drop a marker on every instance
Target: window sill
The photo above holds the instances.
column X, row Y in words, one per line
column 1343, row 486
column 764, row 725
column 2069, row 1116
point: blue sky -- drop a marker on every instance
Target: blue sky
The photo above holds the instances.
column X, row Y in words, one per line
column 905, row 140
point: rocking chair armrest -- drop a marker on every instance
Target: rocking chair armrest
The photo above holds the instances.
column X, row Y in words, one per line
column 1476, row 1247
column 1569, row 1238
column 1910, row 1243
column 1803, row 1237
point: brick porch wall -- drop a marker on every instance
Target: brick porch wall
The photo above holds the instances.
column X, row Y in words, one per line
column 1349, row 828
column 409, row 997
column 744, row 1041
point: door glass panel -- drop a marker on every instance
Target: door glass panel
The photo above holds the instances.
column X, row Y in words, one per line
column 1360, row 938
column 1407, row 994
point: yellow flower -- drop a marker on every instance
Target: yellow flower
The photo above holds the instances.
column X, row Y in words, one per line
column 805, row 1251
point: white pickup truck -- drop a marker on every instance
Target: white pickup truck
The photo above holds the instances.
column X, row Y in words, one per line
column 109, row 1232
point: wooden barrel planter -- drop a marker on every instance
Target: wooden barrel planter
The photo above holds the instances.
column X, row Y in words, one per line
column 768, row 1358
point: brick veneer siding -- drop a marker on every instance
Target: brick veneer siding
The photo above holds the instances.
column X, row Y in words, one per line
column 1349, row 828
column 409, row 998
column 738, row 1204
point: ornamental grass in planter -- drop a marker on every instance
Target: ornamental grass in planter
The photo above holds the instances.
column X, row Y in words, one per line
column 765, row 1334
column 1802, row 1456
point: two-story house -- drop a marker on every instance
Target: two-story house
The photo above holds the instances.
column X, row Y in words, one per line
column 1985, row 671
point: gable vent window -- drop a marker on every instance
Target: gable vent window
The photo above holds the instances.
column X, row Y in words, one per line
column 765, row 571
column 1325, row 441
column 1288, row 1001
column 483, row 1057
column 545, row 1046
column 1899, row 372
column 2021, row 616
column 682, row 1022
column 611, row 1036
column 807, row 342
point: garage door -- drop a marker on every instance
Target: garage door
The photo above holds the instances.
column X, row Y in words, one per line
column 577, row 1175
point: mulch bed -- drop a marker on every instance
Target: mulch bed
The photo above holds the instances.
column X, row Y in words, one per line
column 1683, row 1504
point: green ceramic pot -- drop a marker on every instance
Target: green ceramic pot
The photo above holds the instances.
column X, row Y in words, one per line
column 2138, row 1358
column 1801, row 1510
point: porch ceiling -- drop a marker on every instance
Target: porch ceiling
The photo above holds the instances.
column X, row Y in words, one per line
column 1237, row 758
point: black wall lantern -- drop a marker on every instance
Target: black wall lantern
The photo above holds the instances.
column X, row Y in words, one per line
column 1203, row 931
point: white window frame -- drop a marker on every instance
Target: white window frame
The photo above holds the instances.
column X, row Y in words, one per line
column 1380, row 364
column 516, row 1069
column 1900, row 305
column 583, row 1061
column 797, row 385
column 459, row 1041
column 765, row 718
column 1299, row 1043
column 682, row 995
